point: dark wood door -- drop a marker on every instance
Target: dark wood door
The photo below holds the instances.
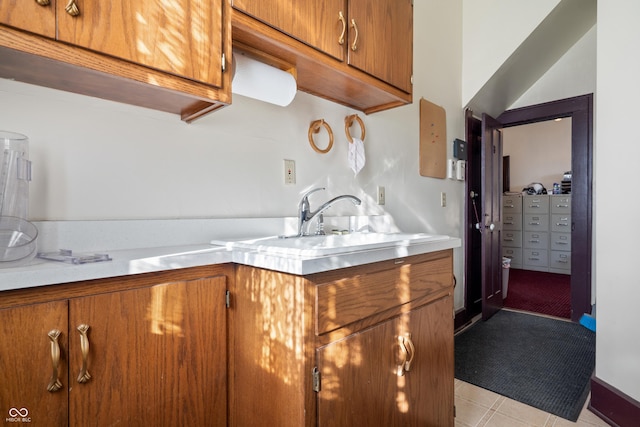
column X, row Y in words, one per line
column 360, row 381
column 156, row 356
column 34, row 388
column 491, row 216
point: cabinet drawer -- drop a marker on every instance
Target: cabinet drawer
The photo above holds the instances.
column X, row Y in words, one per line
column 533, row 204
column 561, row 241
column 514, row 254
column 560, row 260
column 535, row 222
column 344, row 301
column 561, row 223
column 535, row 240
column 512, row 238
column 561, row 204
column 512, row 221
column 535, row 257
column 511, row 204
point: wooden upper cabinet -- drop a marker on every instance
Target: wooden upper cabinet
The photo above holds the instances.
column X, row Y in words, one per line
column 313, row 22
column 355, row 52
column 181, row 37
column 381, row 40
column 30, row 16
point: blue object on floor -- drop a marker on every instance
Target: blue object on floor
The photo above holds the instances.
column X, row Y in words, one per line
column 588, row 322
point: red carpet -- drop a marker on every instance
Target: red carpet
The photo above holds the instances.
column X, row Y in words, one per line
column 539, row 292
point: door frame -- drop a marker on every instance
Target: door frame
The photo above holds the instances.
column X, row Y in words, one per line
column 580, row 109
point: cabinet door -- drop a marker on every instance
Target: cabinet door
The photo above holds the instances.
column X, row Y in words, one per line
column 29, row 16
column 156, row 356
column 383, row 40
column 27, row 364
column 314, row 22
column 182, row 37
column 360, row 385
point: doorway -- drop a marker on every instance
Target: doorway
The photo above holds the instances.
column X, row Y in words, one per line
column 580, row 110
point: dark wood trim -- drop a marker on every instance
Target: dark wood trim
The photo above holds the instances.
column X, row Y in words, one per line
column 612, row 405
column 580, row 109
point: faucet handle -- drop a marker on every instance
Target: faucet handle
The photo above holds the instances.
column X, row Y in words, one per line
column 312, row 191
column 304, row 202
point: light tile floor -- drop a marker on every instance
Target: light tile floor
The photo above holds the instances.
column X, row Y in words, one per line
column 477, row 407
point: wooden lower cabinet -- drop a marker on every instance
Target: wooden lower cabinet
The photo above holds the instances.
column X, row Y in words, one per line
column 364, row 381
column 154, row 355
column 370, row 345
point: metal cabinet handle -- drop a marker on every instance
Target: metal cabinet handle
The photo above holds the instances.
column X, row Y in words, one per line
column 562, row 224
column 344, row 28
column 54, row 384
column 562, row 206
column 84, row 375
column 405, row 354
column 72, row 8
column 43, row 2
column 354, row 45
column 412, row 352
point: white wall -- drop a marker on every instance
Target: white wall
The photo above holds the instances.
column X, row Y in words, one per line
column 493, row 29
column 95, row 159
column 574, row 74
column 616, row 226
column 538, row 152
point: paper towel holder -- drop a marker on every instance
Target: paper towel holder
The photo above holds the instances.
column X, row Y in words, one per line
column 262, row 77
column 348, row 122
column 314, row 127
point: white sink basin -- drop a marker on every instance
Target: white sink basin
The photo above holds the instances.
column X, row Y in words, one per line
column 315, row 246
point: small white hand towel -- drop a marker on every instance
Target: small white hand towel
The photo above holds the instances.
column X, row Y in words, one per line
column 356, row 155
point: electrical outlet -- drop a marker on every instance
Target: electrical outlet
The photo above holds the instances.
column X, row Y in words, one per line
column 289, row 171
column 443, row 199
column 381, row 195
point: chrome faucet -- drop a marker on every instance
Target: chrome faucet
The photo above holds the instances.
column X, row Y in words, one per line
column 304, row 210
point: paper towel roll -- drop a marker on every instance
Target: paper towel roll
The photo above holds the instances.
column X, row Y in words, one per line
column 257, row 80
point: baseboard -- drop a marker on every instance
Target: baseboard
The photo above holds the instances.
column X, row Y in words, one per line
column 612, row 405
column 462, row 319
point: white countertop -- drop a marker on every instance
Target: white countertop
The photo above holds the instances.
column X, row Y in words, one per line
column 126, row 261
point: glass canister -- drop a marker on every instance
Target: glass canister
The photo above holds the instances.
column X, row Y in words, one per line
column 15, row 174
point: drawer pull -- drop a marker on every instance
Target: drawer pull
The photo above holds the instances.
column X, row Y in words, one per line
column 43, row 2
column 562, row 206
column 534, row 206
column 408, row 353
column 507, row 222
column 84, row 375
column 534, row 223
column 534, row 241
column 412, row 352
column 354, row 45
column 398, row 261
column 403, row 359
column 54, row 384
column 72, row 8
column 563, row 261
column 534, row 259
column 507, row 240
column 562, row 243
column 508, row 206
column 344, row 28
column 562, row 224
